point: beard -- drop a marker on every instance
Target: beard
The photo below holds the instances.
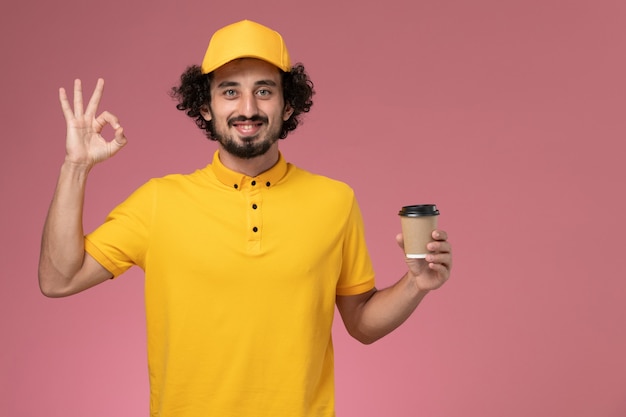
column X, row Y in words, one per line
column 251, row 146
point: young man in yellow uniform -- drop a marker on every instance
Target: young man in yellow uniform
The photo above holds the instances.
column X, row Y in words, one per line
column 244, row 259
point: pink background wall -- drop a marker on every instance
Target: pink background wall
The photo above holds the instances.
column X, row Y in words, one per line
column 507, row 114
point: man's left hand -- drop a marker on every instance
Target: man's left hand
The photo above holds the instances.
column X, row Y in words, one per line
column 432, row 272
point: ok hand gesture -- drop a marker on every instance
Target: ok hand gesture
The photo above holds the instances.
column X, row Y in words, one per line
column 84, row 143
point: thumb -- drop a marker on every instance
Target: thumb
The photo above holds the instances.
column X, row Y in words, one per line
column 400, row 240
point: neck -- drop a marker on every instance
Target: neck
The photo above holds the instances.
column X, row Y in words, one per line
column 250, row 167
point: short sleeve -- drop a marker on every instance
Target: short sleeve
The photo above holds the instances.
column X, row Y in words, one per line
column 122, row 240
column 357, row 274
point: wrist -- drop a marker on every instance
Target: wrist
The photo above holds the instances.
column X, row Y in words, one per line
column 413, row 285
column 76, row 166
column 75, row 172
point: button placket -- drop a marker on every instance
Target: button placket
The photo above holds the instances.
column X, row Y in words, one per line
column 255, row 219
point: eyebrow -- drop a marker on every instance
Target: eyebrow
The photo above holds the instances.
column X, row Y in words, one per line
column 225, row 84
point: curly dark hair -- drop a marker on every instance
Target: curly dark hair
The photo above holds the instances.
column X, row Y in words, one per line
column 193, row 94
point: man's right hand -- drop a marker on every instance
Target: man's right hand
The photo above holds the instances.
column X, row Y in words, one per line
column 85, row 145
column 64, row 266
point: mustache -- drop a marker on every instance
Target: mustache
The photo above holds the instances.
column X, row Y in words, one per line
column 243, row 119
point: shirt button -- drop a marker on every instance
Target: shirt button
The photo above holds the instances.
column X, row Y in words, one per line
column 255, row 229
column 253, row 182
column 267, row 184
column 254, row 206
column 236, row 186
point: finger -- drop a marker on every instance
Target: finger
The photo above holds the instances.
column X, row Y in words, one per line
column 78, row 98
column 94, row 101
column 118, row 142
column 104, row 119
column 65, row 104
column 439, row 235
column 439, row 246
column 442, row 269
column 439, row 258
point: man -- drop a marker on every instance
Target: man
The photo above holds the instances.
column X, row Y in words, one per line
column 244, row 259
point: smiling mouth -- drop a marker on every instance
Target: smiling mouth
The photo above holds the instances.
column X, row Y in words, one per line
column 248, row 122
column 247, row 127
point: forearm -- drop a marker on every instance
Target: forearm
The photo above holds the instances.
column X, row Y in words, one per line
column 374, row 314
column 387, row 309
column 62, row 246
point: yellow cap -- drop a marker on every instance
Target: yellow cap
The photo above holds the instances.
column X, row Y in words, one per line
column 246, row 39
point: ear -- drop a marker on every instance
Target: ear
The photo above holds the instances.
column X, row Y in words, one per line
column 287, row 112
column 206, row 113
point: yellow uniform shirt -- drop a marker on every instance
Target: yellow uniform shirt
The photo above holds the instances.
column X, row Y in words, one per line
column 241, row 278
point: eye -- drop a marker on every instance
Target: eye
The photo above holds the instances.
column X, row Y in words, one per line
column 264, row 92
column 229, row 93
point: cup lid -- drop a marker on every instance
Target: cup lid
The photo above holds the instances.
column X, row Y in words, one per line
column 419, row 210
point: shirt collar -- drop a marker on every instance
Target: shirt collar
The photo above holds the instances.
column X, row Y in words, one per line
column 237, row 180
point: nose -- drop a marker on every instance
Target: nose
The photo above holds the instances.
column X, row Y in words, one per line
column 248, row 105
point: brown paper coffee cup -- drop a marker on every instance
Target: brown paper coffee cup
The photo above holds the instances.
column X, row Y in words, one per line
column 418, row 223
